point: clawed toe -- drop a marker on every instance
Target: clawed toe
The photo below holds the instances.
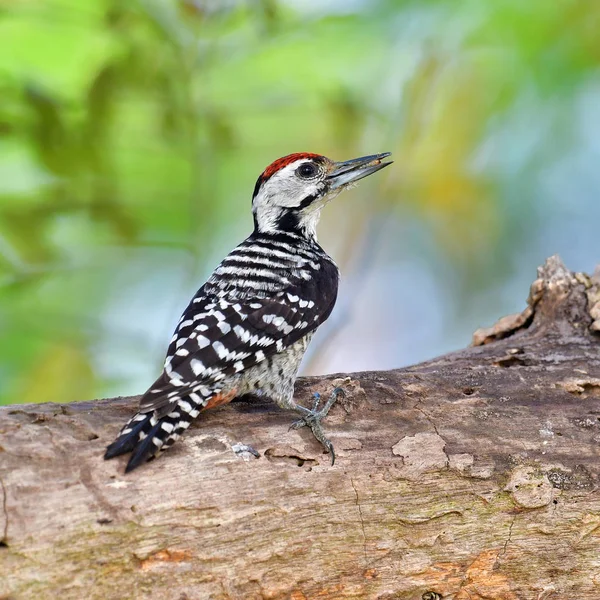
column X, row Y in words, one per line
column 312, row 418
column 299, row 424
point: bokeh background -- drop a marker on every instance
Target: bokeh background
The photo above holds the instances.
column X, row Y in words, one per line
column 132, row 132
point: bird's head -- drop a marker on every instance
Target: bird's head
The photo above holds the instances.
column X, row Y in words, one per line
column 291, row 192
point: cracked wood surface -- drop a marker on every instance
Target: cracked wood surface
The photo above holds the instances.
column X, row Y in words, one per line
column 472, row 476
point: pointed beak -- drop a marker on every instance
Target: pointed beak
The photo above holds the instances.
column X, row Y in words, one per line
column 351, row 171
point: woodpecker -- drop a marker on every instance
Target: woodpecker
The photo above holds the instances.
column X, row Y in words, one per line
column 247, row 328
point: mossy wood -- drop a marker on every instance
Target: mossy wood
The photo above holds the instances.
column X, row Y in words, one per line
column 472, row 476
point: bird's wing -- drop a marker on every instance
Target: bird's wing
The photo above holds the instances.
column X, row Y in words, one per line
column 228, row 336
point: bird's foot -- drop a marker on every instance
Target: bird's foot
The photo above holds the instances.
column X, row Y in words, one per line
column 312, row 418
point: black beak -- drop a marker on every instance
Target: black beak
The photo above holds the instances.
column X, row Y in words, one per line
column 350, row 171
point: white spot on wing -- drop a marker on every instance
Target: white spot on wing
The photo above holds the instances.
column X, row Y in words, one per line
column 197, row 366
column 185, row 406
column 242, row 333
column 220, row 349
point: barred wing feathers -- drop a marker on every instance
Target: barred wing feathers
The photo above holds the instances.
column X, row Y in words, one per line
column 230, row 336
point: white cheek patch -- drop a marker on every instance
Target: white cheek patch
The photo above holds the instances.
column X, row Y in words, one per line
column 309, row 220
column 267, row 216
column 283, row 191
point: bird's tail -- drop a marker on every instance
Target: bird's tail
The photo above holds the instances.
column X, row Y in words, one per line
column 145, row 435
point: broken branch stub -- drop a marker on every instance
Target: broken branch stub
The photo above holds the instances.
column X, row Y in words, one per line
column 559, row 301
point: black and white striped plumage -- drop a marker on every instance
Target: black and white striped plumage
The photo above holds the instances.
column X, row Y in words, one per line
column 247, row 328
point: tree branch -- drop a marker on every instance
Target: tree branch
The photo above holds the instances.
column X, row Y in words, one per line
column 471, row 476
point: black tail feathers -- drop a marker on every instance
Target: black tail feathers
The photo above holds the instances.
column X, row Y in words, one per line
column 137, row 426
column 145, row 435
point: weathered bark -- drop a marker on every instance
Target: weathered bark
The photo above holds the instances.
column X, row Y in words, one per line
column 471, row 476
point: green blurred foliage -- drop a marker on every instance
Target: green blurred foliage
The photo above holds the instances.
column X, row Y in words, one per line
column 131, row 133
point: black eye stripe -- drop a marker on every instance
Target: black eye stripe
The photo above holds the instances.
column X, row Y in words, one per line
column 306, row 201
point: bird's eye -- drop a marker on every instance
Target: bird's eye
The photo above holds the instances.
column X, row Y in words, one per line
column 307, row 170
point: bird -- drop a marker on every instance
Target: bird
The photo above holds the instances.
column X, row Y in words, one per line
column 247, row 328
